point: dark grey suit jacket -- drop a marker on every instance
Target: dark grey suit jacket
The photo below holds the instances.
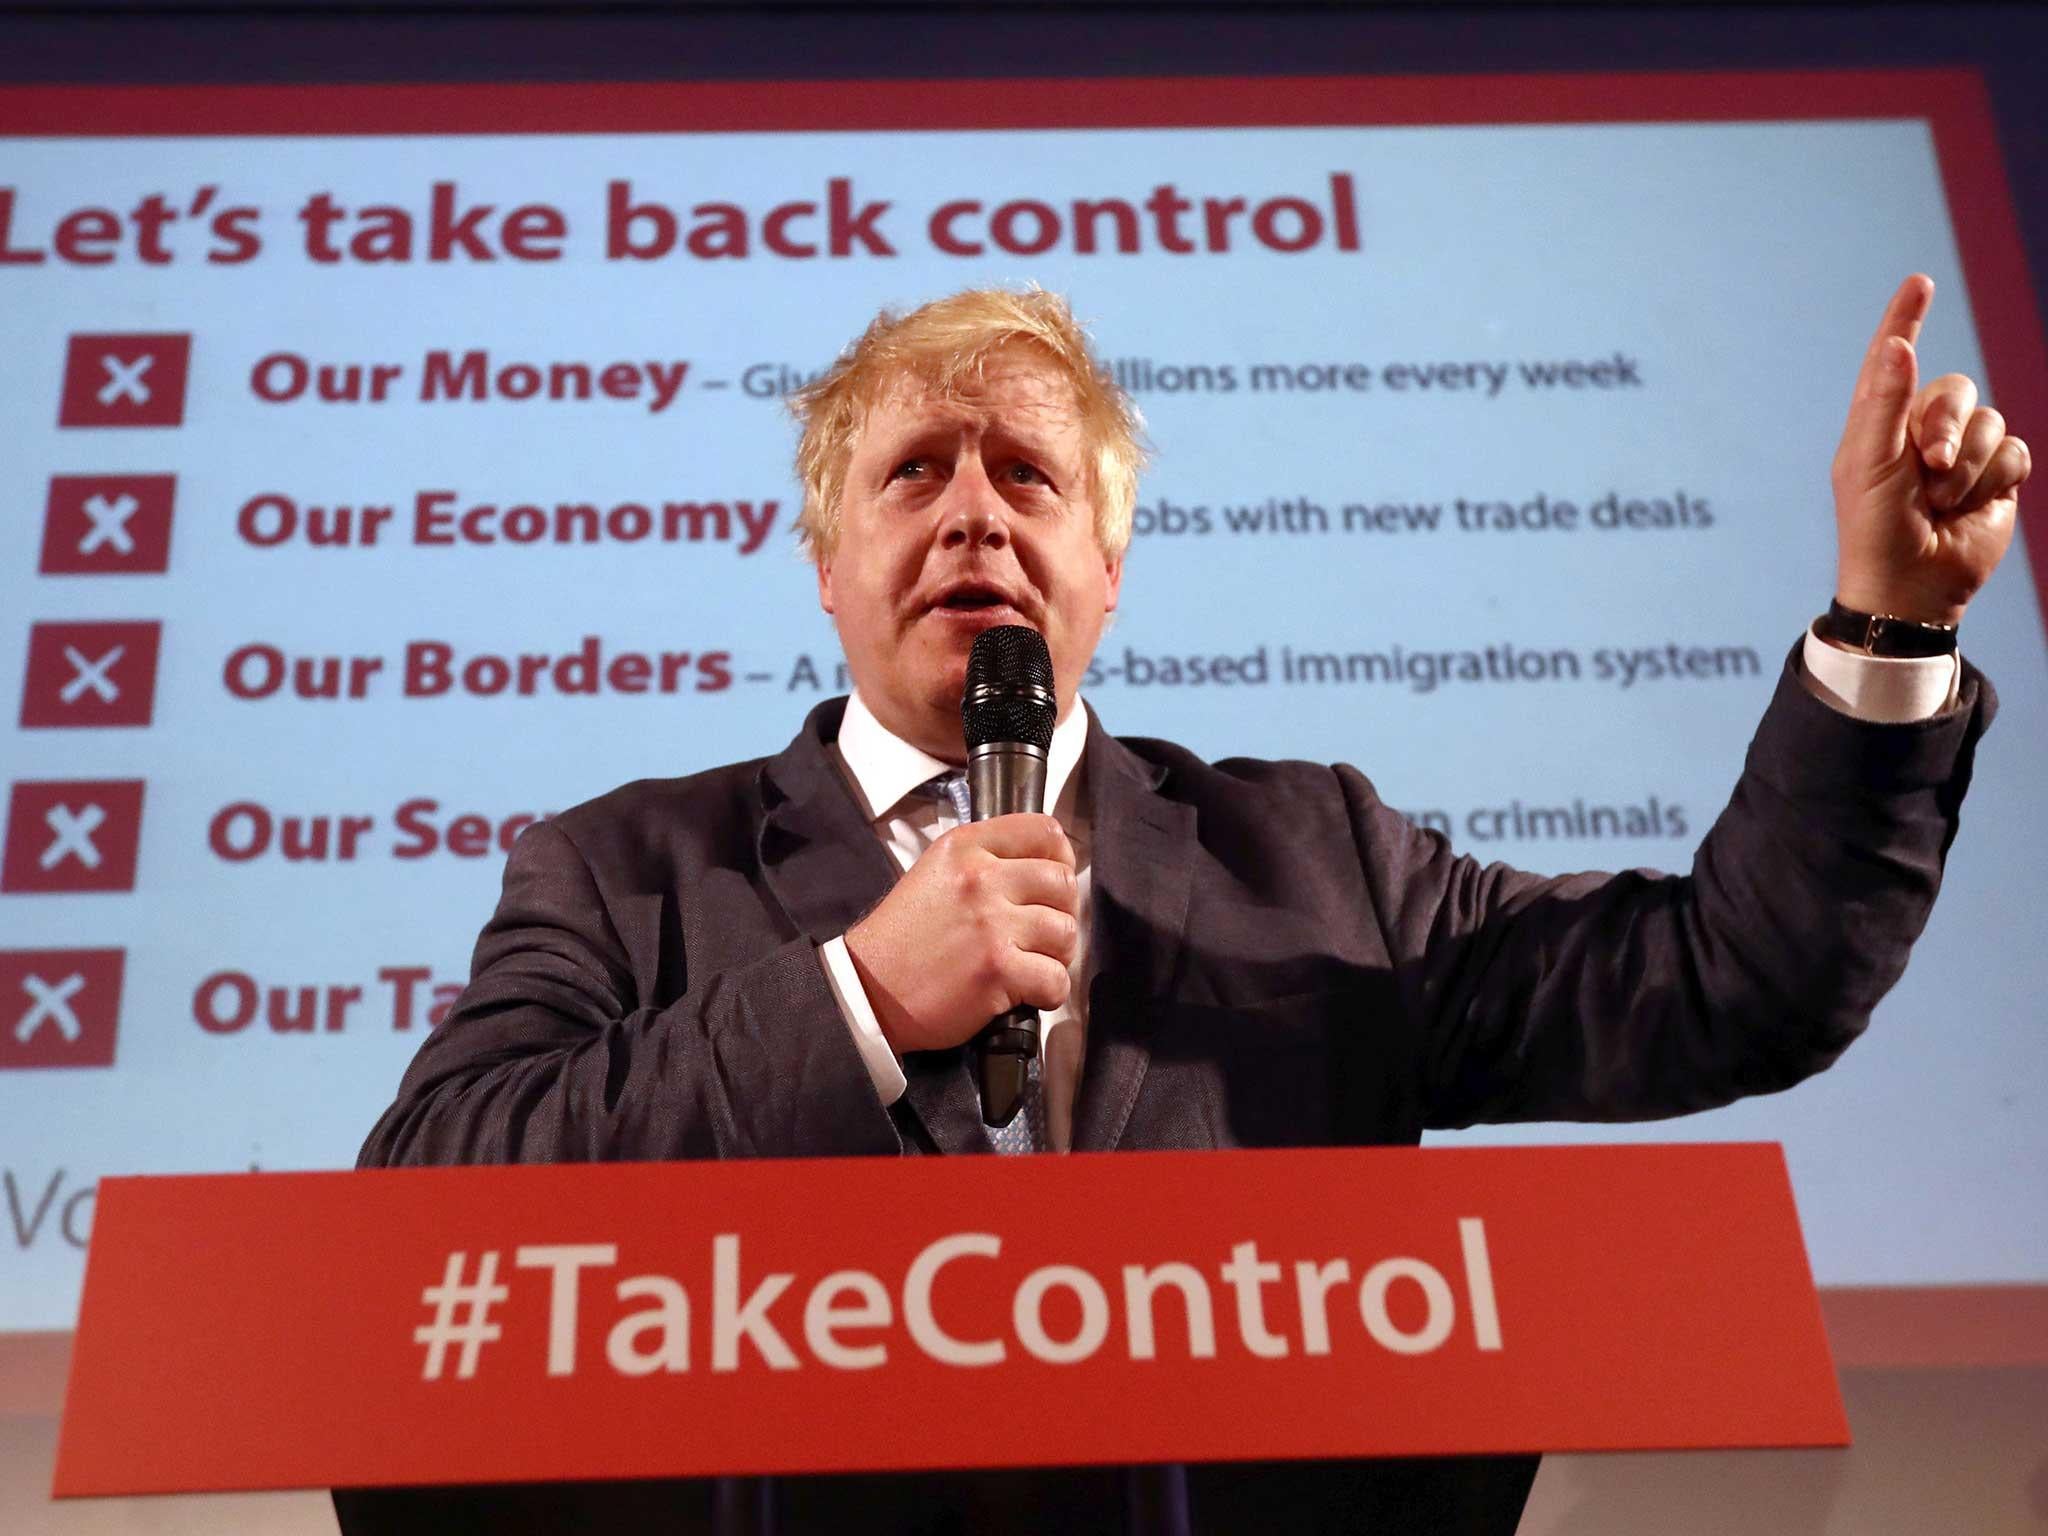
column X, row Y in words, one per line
column 1281, row 960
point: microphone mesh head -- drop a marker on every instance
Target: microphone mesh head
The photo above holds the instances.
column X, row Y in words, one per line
column 1009, row 695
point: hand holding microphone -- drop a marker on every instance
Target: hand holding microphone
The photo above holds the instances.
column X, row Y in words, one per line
column 983, row 925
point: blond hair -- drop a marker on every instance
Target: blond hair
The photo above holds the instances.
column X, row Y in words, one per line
column 944, row 346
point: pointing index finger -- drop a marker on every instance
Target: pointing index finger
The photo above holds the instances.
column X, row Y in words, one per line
column 1903, row 315
column 1875, row 434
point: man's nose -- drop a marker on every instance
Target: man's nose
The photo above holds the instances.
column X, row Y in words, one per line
column 973, row 512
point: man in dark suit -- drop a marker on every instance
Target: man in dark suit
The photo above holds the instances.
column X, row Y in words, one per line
column 786, row 957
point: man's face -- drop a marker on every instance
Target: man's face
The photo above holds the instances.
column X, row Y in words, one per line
column 960, row 515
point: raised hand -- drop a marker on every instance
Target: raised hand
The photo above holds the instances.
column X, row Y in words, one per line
column 1926, row 483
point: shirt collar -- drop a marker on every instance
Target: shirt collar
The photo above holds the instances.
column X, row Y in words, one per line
column 884, row 767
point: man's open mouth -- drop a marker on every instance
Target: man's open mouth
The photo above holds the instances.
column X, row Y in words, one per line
column 973, row 597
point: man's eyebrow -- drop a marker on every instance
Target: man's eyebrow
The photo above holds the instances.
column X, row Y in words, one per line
column 1023, row 439
column 918, row 436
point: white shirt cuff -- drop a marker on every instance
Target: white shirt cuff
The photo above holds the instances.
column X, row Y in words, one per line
column 884, row 1070
column 1885, row 690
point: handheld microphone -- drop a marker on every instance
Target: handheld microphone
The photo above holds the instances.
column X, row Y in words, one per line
column 1007, row 711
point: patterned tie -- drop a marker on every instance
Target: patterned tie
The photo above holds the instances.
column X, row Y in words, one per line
column 1026, row 1131
column 952, row 788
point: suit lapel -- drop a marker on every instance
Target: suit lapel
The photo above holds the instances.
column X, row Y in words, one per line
column 823, row 863
column 820, row 858
column 1142, row 867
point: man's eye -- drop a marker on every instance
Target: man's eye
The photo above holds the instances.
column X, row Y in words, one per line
column 1026, row 474
column 908, row 469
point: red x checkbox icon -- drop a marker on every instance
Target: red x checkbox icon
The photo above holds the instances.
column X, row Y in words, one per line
column 127, row 380
column 90, row 674
column 59, row 1007
column 107, row 525
column 73, row 835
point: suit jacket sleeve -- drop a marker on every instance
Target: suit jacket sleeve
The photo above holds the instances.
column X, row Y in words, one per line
column 1641, row 995
column 550, row 1055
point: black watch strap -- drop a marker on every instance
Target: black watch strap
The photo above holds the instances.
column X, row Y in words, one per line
column 1884, row 634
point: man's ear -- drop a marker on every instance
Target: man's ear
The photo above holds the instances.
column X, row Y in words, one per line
column 1114, row 567
column 825, row 585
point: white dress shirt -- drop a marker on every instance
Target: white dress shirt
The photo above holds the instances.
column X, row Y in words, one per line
column 887, row 773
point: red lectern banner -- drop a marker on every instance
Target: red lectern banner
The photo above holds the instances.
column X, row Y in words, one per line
column 640, row 1320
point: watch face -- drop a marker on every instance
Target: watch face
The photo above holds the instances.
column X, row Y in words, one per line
column 1882, row 635
column 1847, row 626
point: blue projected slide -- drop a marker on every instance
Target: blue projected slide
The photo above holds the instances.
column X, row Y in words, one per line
column 374, row 488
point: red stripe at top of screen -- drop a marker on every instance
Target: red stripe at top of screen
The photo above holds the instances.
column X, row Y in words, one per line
column 772, row 106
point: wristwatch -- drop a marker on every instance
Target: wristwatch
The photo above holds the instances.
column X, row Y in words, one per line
column 1885, row 634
